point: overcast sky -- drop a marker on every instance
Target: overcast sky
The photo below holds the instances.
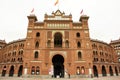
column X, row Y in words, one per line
column 104, row 21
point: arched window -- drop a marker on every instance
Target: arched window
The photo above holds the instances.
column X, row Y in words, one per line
column 78, row 44
column 37, row 34
column 37, row 44
column 82, row 70
column 79, row 55
column 58, row 40
column 18, row 59
column 67, row 44
column 119, row 59
column 37, row 70
column 33, row 70
column 93, row 52
column 21, row 52
column 78, row 71
column 77, row 34
column 14, row 60
column 36, row 54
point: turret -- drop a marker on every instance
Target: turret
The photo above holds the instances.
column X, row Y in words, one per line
column 32, row 18
column 84, row 20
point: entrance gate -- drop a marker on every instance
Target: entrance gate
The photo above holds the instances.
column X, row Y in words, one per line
column 58, row 66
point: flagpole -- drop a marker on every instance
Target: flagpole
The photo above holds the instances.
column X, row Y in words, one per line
column 57, row 3
column 81, row 12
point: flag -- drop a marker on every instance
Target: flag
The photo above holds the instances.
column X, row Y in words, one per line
column 81, row 11
column 32, row 10
column 56, row 2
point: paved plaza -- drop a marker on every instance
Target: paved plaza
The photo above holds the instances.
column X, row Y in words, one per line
column 100, row 78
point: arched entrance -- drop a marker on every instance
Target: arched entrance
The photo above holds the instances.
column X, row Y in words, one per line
column 104, row 71
column 4, row 71
column 116, row 71
column 111, row 71
column 11, row 72
column 58, row 66
column 95, row 71
column 58, row 40
column 20, row 70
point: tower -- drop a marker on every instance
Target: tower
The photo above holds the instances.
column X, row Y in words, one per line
column 57, row 46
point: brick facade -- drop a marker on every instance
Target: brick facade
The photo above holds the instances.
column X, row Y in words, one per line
column 58, row 46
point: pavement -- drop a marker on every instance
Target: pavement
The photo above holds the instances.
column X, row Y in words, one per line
column 31, row 78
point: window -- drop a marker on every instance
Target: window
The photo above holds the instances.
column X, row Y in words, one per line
column 58, row 40
column 78, row 71
column 19, row 53
column 37, row 44
column 82, row 70
column 37, row 34
column 93, row 52
column 33, row 70
column 36, row 54
column 22, row 52
column 77, row 34
column 119, row 59
column 118, row 53
column 37, row 70
column 79, row 55
column 0, row 47
column 78, row 44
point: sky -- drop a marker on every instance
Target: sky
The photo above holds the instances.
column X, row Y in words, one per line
column 104, row 21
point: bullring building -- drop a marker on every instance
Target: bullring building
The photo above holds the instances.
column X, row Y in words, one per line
column 58, row 46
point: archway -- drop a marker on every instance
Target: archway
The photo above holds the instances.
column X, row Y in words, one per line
column 111, row 71
column 104, row 71
column 95, row 71
column 58, row 40
column 4, row 71
column 11, row 72
column 116, row 71
column 58, row 66
column 20, row 70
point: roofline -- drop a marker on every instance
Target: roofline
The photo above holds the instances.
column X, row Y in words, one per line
column 14, row 41
column 96, row 40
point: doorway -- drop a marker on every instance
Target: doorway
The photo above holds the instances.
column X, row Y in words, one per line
column 58, row 66
column 95, row 71
column 20, row 71
column 11, row 72
column 104, row 71
column 4, row 71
